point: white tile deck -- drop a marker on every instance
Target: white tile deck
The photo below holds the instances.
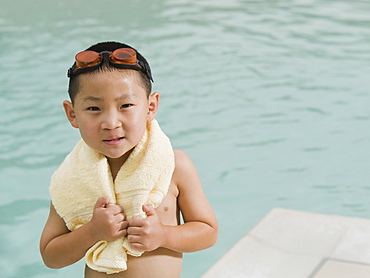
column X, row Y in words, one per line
column 295, row 244
column 342, row 269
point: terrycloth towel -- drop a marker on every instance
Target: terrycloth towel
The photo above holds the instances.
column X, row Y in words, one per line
column 85, row 176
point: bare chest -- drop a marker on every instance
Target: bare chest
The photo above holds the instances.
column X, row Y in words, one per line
column 168, row 210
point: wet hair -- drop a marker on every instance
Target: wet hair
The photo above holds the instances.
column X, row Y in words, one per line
column 74, row 81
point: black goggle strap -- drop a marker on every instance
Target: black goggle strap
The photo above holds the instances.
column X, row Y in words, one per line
column 73, row 71
column 146, row 69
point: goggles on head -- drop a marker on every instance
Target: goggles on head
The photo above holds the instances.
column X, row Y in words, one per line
column 123, row 58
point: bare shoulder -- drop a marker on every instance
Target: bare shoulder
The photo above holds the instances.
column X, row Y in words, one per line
column 181, row 158
column 184, row 169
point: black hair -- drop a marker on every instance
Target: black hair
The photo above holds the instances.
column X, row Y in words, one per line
column 106, row 66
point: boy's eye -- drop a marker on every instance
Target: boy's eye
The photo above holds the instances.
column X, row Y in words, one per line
column 93, row 108
column 126, row 105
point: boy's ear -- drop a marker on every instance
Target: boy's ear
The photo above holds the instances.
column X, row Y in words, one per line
column 70, row 113
column 153, row 106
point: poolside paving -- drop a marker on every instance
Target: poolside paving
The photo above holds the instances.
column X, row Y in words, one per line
column 295, row 244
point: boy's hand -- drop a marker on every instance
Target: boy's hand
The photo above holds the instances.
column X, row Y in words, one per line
column 108, row 222
column 146, row 234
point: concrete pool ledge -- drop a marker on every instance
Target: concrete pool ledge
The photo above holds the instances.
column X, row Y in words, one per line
column 296, row 244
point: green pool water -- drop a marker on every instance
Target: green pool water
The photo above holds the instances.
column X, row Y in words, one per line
column 269, row 98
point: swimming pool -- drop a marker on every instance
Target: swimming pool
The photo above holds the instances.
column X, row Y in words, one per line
column 270, row 99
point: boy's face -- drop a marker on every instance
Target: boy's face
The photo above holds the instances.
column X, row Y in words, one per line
column 111, row 110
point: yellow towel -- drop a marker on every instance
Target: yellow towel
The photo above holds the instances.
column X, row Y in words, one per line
column 84, row 176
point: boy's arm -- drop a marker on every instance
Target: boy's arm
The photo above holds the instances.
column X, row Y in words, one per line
column 60, row 247
column 200, row 228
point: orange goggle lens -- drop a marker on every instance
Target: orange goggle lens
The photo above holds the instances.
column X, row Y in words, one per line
column 124, row 56
column 87, row 58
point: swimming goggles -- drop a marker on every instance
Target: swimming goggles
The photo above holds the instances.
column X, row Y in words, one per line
column 124, row 58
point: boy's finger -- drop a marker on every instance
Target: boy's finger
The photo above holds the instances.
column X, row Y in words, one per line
column 122, row 233
column 136, row 222
column 102, row 202
column 134, row 231
column 115, row 209
column 149, row 210
column 120, row 217
column 124, row 226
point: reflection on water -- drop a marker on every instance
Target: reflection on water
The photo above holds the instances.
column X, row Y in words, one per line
column 269, row 98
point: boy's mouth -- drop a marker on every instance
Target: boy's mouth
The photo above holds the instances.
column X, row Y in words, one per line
column 114, row 141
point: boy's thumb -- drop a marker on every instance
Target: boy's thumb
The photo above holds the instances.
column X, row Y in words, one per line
column 102, row 202
column 149, row 210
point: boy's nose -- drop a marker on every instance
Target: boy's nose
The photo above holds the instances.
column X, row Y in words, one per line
column 111, row 121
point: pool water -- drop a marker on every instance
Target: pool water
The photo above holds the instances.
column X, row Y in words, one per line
column 269, row 98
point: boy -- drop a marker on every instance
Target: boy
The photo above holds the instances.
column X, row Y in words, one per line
column 111, row 105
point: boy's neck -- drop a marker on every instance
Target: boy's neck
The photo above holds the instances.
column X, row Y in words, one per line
column 115, row 164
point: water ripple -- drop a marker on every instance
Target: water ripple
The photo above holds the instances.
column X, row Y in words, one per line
column 12, row 213
column 261, row 143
